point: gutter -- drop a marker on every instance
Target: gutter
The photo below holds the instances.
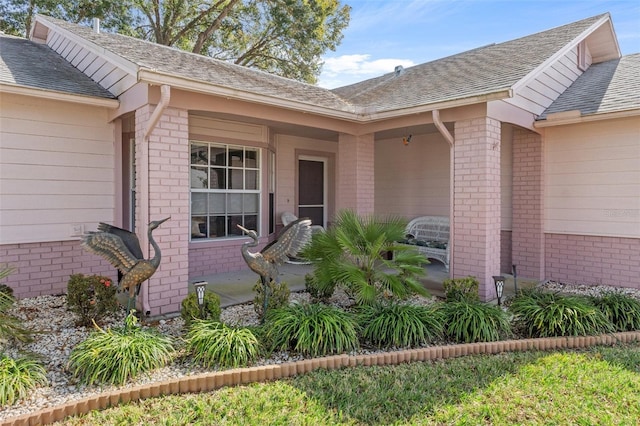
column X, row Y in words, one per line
column 435, row 114
column 575, row 117
column 59, row 96
column 165, row 98
column 356, row 115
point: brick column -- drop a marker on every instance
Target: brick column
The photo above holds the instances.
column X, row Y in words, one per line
column 528, row 185
column 477, row 202
column 162, row 189
column 355, row 186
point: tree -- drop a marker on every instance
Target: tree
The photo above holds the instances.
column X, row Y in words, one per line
column 283, row 37
column 17, row 15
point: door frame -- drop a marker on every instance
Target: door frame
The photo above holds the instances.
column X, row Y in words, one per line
column 325, row 183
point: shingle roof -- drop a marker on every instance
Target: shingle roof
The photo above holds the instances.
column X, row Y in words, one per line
column 476, row 72
column 197, row 67
column 610, row 86
column 28, row 64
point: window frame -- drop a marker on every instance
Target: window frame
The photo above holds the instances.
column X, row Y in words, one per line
column 228, row 181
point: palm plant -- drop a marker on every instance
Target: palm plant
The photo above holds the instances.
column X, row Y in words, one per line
column 352, row 254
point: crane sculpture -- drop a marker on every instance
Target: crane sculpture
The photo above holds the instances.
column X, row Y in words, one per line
column 121, row 248
column 265, row 263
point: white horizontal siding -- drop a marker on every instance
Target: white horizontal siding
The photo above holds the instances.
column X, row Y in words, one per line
column 99, row 69
column 592, row 178
column 540, row 92
column 212, row 128
column 56, row 169
column 412, row 180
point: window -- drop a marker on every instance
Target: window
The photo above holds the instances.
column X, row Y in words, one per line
column 225, row 189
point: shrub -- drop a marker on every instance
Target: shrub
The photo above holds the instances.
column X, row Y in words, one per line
column 19, row 376
column 352, row 254
column 399, row 325
column 311, row 328
column 623, row 311
column 461, row 289
column 190, row 309
column 278, row 296
column 113, row 356
column 91, row 297
column 543, row 314
column 318, row 293
column 6, row 290
column 472, row 321
column 10, row 326
column 214, row 343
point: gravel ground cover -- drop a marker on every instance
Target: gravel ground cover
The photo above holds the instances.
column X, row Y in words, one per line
column 58, row 334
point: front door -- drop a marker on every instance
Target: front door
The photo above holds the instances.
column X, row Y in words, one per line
column 312, row 189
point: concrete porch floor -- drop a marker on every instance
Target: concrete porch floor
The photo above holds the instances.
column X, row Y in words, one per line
column 236, row 287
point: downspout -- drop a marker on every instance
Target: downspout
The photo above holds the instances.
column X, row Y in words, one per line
column 165, row 97
column 449, row 138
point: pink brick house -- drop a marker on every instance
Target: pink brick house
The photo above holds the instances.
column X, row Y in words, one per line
column 531, row 147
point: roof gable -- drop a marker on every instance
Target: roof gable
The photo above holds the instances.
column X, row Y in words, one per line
column 607, row 87
column 478, row 72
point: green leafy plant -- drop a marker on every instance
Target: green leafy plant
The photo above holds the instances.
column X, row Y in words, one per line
column 352, row 254
column 10, row 327
column 311, row 328
column 544, row 314
column 115, row 355
column 471, row 321
column 214, row 343
column 623, row 311
column 190, row 309
column 18, row 377
column 399, row 325
column 317, row 294
column 91, row 297
column 460, row 289
column 278, row 296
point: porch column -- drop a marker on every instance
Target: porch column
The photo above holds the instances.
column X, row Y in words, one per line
column 476, row 202
column 355, row 187
column 528, row 229
column 162, row 190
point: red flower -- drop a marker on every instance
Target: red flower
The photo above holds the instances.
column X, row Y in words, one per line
column 107, row 283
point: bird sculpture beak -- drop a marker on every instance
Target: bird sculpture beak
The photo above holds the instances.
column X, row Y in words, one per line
column 243, row 229
column 160, row 222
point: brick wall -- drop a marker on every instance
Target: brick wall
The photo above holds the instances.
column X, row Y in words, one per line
column 528, row 216
column 593, row 260
column 221, row 257
column 477, row 202
column 44, row 268
column 355, row 184
column 167, row 186
column 505, row 252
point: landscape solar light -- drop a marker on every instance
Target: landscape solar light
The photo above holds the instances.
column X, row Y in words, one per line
column 498, row 281
column 201, row 287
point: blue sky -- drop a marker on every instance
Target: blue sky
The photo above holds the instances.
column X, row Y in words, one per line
column 386, row 33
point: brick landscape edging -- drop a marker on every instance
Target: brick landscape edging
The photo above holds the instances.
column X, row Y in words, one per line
column 214, row 380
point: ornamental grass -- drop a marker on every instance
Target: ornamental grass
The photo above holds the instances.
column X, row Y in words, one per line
column 114, row 356
column 214, row 343
column 18, row 377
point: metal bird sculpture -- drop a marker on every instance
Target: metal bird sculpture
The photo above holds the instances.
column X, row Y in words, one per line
column 265, row 263
column 121, row 248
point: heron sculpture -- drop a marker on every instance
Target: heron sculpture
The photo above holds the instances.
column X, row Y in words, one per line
column 122, row 249
column 265, row 263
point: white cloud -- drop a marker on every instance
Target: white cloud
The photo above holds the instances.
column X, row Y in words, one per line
column 348, row 69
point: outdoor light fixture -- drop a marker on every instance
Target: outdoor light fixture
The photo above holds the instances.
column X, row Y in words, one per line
column 201, row 287
column 498, row 281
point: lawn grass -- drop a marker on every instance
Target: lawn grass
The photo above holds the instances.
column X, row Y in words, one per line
column 600, row 385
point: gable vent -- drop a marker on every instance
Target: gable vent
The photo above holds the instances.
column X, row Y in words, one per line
column 398, row 70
